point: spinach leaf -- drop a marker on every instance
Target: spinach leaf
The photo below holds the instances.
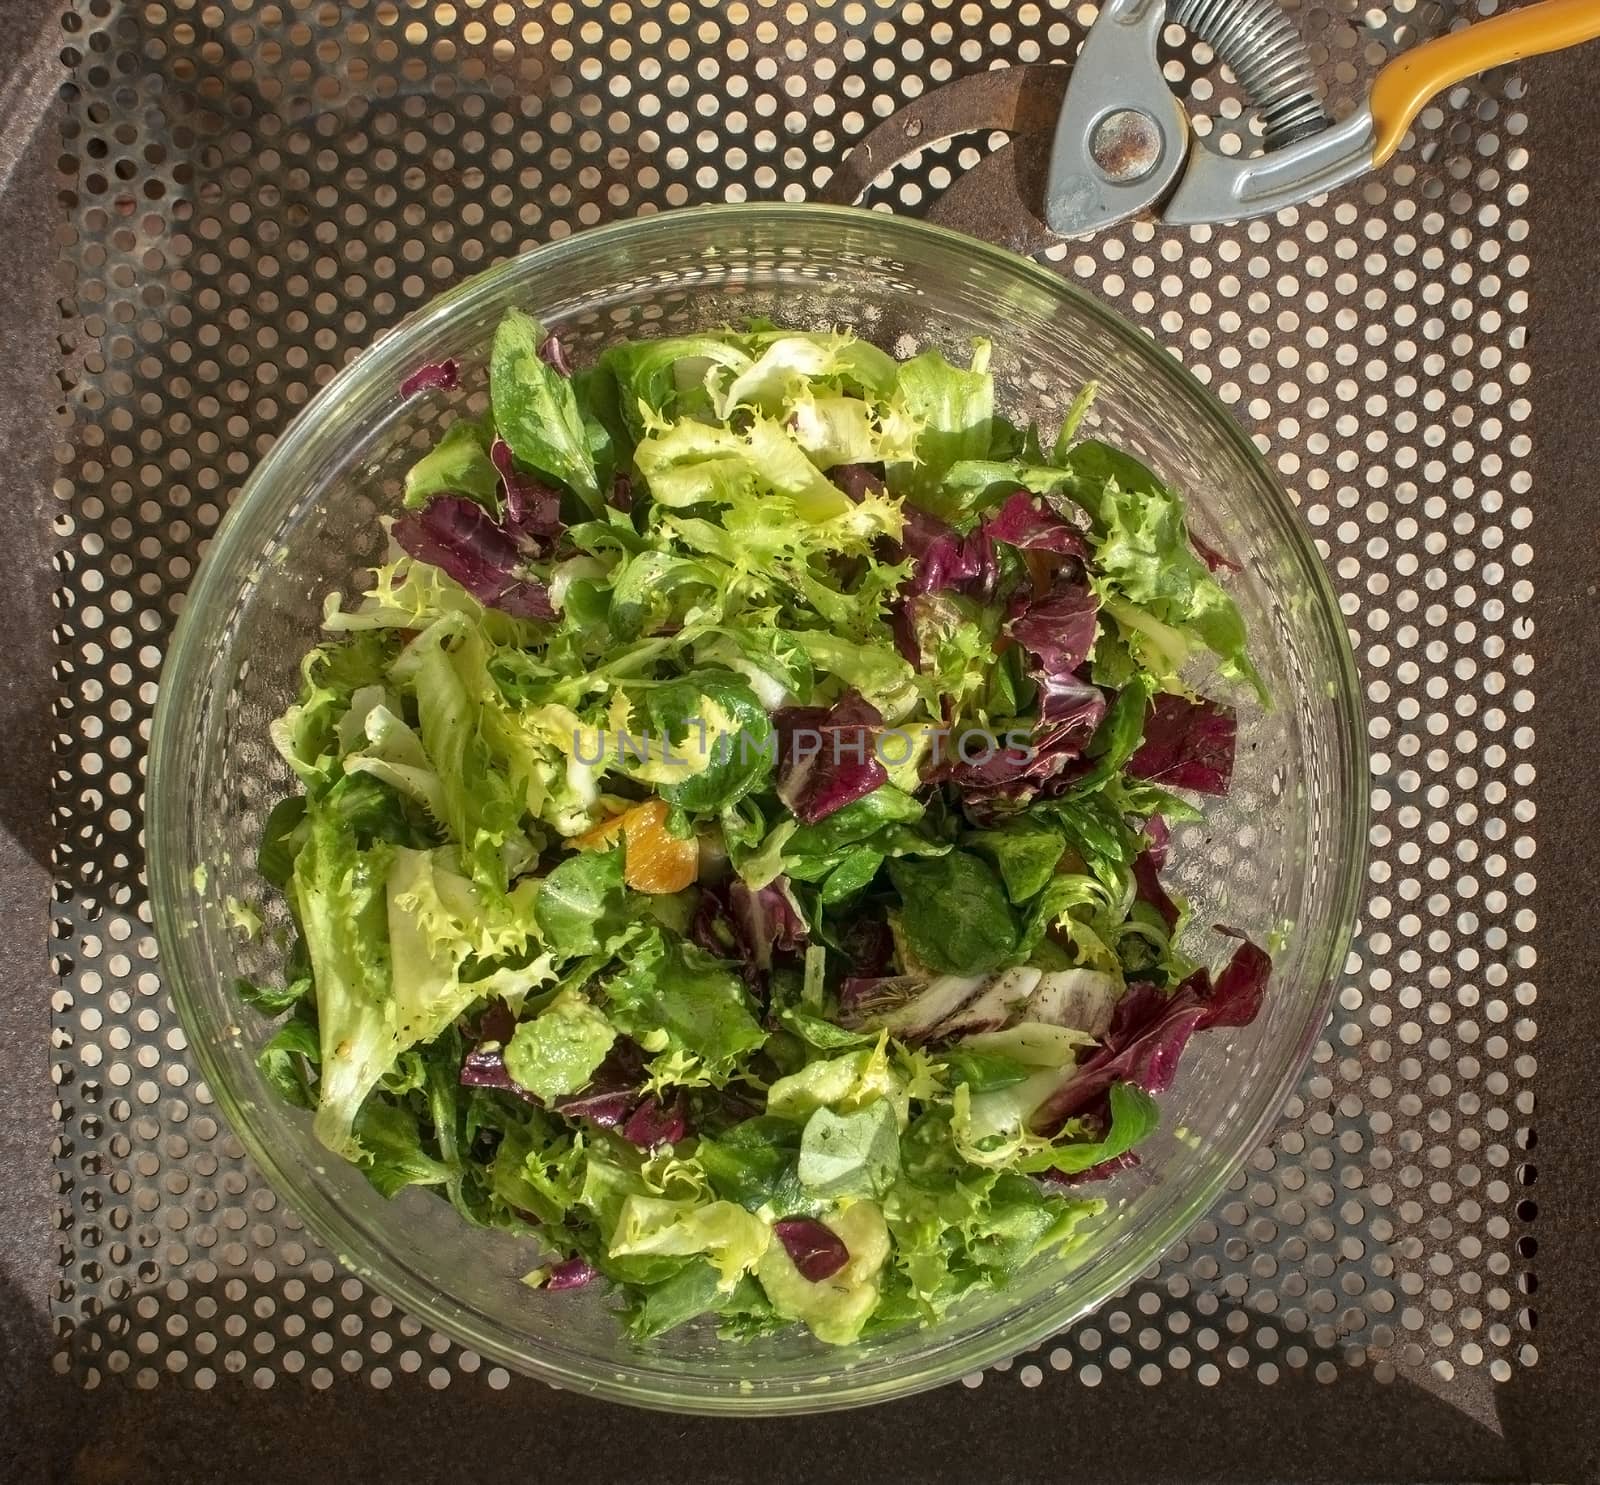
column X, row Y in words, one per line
column 822, row 1033
column 754, row 1164
column 854, row 872
column 1118, row 736
column 269, row 999
column 677, row 993
column 691, row 1291
column 595, row 391
column 582, row 906
column 955, row 914
column 1026, row 853
column 712, row 718
column 886, row 805
column 281, row 839
column 854, row 1154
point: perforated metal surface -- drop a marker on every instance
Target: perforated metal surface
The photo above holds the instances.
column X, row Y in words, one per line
column 255, row 190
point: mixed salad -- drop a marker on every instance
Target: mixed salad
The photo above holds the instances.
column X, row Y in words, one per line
column 731, row 842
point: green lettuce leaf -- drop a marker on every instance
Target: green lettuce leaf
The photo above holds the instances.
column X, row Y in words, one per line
column 953, row 409
column 538, row 1167
column 877, row 670
column 1142, row 549
column 393, row 1155
column 661, row 379
column 689, row 464
column 732, row 1239
column 459, row 464
column 1134, row 1117
column 984, row 1072
column 456, row 699
column 287, row 1058
column 653, row 589
column 343, row 912
column 960, row 1228
column 788, row 364
column 536, row 411
column 269, row 999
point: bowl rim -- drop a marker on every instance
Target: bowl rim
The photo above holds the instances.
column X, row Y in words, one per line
column 389, row 357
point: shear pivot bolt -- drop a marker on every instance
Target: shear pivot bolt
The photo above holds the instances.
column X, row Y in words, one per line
column 1126, row 145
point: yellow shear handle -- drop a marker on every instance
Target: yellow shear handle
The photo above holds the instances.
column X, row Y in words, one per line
column 1411, row 80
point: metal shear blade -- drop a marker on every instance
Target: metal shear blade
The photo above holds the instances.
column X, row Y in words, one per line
column 1122, row 138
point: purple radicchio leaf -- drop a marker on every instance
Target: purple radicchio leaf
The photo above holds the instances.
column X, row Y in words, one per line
column 1159, row 835
column 945, row 560
column 462, row 539
column 866, row 945
column 570, row 1273
column 1147, row 867
column 1150, row 1029
column 903, row 628
column 1187, row 745
column 827, row 758
column 612, row 1092
column 817, row 1251
column 654, row 1123
column 485, row 1067
column 750, row 926
column 858, row 480
column 766, row 920
column 1057, row 628
column 442, row 375
column 605, row 1108
column 862, row 998
column 1012, row 776
column 554, row 354
column 621, row 497
column 921, row 622
column 496, row 1024
column 531, row 511
column 1026, row 522
column 1213, row 559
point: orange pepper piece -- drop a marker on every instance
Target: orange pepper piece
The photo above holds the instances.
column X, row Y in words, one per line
column 656, row 861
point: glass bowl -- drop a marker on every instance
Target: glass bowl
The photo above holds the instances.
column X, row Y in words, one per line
column 1280, row 857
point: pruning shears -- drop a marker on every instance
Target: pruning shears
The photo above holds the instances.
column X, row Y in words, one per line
column 1105, row 139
